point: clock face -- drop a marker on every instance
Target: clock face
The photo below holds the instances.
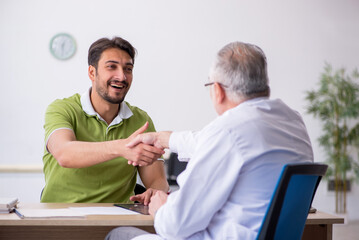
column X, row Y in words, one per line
column 62, row 46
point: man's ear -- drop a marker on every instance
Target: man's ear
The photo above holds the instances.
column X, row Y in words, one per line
column 92, row 72
column 219, row 93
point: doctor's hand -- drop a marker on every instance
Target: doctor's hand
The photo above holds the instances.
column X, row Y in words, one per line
column 157, row 200
column 159, row 140
column 151, row 138
column 145, row 197
column 141, row 154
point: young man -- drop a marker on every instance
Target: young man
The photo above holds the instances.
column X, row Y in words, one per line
column 235, row 161
column 86, row 158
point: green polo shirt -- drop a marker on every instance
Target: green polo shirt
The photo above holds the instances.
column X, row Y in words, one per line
column 111, row 181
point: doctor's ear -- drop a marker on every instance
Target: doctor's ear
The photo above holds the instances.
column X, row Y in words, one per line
column 219, row 93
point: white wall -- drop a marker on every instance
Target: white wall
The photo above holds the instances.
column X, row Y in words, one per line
column 176, row 42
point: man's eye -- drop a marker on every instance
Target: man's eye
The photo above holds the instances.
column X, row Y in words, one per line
column 111, row 66
column 128, row 69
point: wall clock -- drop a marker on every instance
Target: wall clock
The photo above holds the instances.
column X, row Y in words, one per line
column 62, row 46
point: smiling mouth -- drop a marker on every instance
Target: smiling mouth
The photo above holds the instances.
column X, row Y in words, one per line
column 118, row 85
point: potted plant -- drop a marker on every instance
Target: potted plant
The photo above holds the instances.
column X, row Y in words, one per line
column 336, row 104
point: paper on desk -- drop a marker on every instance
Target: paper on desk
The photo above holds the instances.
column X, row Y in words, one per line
column 103, row 211
column 50, row 213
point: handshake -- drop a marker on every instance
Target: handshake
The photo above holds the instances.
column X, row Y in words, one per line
column 147, row 146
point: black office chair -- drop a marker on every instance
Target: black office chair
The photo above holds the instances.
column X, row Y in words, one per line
column 174, row 168
column 139, row 189
column 288, row 210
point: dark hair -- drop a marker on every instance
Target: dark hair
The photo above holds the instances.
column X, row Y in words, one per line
column 97, row 48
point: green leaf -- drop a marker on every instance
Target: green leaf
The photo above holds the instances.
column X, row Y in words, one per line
column 335, row 103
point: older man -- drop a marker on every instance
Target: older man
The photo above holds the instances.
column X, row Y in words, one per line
column 235, row 161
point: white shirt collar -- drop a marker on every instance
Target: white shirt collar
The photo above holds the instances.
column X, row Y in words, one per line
column 124, row 113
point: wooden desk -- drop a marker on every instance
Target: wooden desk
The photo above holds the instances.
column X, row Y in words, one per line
column 91, row 227
column 318, row 226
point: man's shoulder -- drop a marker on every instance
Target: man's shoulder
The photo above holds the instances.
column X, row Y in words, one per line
column 72, row 100
column 72, row 103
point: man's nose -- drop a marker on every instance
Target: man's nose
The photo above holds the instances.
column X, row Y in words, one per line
column 120, row 75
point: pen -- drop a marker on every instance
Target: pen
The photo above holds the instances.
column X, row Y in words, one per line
column 18, row 213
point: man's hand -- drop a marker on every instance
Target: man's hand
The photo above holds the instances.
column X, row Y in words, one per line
column 159, row 140
column 141, row 154
column 145, row 197
column 158, row 199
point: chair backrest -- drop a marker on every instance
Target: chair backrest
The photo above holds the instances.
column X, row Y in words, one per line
column 139, row 189
column 288, row 210
column 174, row 168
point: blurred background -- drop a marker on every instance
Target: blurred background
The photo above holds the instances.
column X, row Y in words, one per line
column 176, row 42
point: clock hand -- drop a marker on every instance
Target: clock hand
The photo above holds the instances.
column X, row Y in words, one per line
column 62, row 46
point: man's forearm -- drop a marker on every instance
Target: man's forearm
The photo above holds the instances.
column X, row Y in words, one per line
column 160, row 184
column 154, row 176
column 77, row 154
column 71, row 153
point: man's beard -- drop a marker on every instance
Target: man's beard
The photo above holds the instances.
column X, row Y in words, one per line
column 112, row 100
column 104, row 94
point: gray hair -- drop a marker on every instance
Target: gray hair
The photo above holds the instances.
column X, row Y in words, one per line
column 242, row 69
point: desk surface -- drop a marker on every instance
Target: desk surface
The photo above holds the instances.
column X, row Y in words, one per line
column 117, row 220
column 318, row 225
column 323, row 218
column 90, row 220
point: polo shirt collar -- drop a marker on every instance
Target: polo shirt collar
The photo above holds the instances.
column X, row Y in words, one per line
column 124, row 113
